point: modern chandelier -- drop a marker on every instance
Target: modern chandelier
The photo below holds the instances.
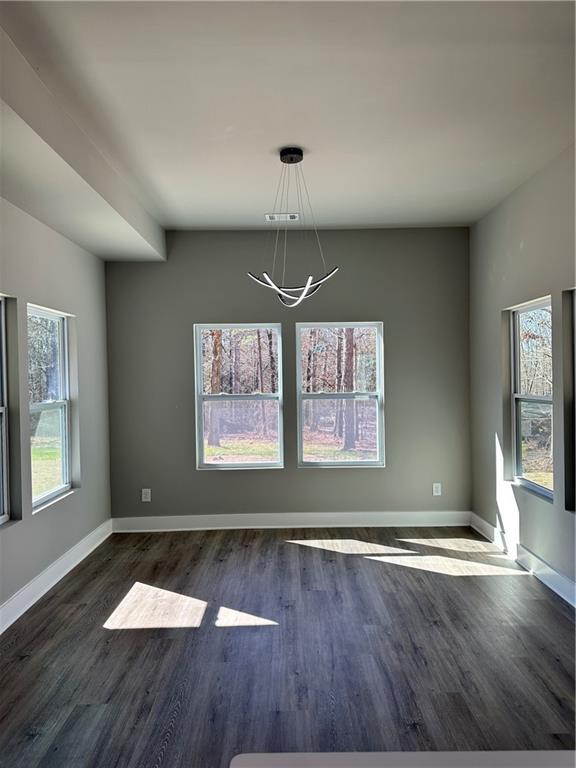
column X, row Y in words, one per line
column 291, row 181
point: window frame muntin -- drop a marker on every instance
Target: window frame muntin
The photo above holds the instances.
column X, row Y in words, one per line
column 200, row 397
column 63, row 405
column 517, row 398
column 4, row 463
column 378, row 396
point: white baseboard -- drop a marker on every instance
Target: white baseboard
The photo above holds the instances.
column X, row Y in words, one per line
column 487, row 530
column 289, row 520
column 509, row 759
column 30, row 593
column 526, row 559
column 557, row 582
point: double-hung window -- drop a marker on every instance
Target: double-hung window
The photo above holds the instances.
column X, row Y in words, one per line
column 238, row 396
column 340, row 392
column 49, row 404
column 532, row 396
column 4, row 493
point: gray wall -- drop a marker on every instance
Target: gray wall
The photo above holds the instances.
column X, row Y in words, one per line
column 39, row 266
column 522, row 250
column 415, row 281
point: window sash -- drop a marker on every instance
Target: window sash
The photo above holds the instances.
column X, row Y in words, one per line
column 63, row 407
column 202, row 397
column 4, row 468
column 518, row 398
column 4, row 495
column 378, row 395
column 62, row 404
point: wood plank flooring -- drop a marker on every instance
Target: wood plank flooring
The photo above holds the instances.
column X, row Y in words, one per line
column 223, row 642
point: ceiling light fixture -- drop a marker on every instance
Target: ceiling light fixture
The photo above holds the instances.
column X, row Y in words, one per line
column 292, row 178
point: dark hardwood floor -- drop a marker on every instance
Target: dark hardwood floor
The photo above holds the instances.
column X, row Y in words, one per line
column 382, row 639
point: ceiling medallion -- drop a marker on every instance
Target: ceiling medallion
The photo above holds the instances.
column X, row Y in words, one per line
column 292, row 177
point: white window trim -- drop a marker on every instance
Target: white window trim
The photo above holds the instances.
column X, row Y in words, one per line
column 201, row 397
column 4, row 466
column 62, row 405
column 516, row 398
column 378, row 396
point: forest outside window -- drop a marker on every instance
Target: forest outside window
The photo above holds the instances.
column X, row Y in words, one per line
column 4, row 494
column 239, row 396
column 340, row 385
column 49, row 404
column 532, row 396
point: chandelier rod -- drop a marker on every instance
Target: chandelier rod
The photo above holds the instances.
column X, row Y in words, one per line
column 280, row 184
column 312, row 216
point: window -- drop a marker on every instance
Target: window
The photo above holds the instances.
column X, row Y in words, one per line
column 4, row 494
column 49, row 404
column 340, row 394
column 532, row 396
column 238, row 396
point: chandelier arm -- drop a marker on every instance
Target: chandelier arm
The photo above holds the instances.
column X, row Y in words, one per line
column 300, row 299
column 268, row 283
column 313, row 218
column 318, row 282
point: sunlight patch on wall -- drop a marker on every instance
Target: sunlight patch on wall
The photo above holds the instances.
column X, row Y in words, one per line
column 508, row 522
column 227, row 617
column 451, row 566
column 146, row 607
column 350, row 546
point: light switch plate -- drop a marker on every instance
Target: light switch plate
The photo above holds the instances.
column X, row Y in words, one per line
column 436, row 489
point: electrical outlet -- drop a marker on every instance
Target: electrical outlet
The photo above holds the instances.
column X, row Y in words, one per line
column 436, row 489
column 146, row 494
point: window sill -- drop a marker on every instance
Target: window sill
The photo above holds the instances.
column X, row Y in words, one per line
column 53, row 500
column 232, row 467
column 349, row 465
column 534, row 489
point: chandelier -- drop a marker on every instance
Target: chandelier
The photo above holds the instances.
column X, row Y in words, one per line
column 291, row 181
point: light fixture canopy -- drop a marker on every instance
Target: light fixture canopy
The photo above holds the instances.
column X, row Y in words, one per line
column 292, row 178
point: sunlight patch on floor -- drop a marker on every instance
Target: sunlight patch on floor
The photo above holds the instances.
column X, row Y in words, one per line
column 146, row 607
column 227, row 617
column 451, row 566
column 455, row 545
column 350, row 546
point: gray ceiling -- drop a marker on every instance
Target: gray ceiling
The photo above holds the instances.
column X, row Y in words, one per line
column 410, row 113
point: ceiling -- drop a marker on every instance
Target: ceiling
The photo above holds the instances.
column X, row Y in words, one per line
column 409, row 113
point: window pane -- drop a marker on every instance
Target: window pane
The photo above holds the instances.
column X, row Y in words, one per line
column 47, row 448
column 340, row 430
column 44, row 356
column 239, row 432
column 536, row 443
column 3, row 463
column 338, row 359
column 535, row 350
column 239, row 361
